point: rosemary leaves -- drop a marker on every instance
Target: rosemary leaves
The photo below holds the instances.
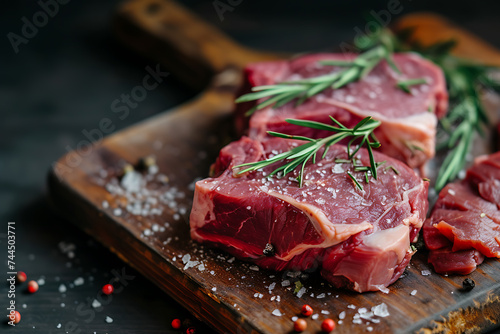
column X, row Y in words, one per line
column 361, row 135
column 284, row 92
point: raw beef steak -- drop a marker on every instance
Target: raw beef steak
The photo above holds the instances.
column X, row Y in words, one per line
column 465, row 223
column 360, row 238
column 408, row 120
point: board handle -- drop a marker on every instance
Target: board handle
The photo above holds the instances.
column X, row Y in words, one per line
column 190, row 48
column 430, row 28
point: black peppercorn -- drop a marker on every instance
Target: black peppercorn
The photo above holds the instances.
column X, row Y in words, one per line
column 468, row 284
column 268, row 250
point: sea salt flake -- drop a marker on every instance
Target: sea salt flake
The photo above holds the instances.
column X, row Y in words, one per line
column 380, row 310
column 186, row 258
column 277, row 313
column 315, row 316
column 214, row 289
column 351, row 306
column 426, row 272
column 96, row 303
column 78, row 281
column 324, row 312
column 342, row 315
column 413, row 293
column 58, row 326
column 231, row 260
column 254, row 268
column 62, row 288
column 285, row 283
column 295, row 318
column 271, row 287
column 108, row 319
column 321, row 295
column 301, row 292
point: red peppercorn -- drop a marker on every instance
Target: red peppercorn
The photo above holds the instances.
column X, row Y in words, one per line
column 108, row 289
column 176, row 324
column 17, row 317
column 306, row 310
column 191, row 330
column 327, row 325
column 299, row 325
column 21, row 277
column 32, row 286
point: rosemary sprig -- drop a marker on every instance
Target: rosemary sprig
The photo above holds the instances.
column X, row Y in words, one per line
column 284, row 92
column 300, row 155
column 405, row 85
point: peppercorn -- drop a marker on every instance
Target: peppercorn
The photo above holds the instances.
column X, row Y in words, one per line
column 108, row 289
column 269, row 250
column 299, row 325
column 306, row 310
column 17, row 317
column 327, row 325
column 32, row 286
column 468, row 284
column 176, row 323
column 21, row 277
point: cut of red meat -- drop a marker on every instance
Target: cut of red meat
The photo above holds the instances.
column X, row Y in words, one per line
column 360, row 238
column 466, row 218
column 408, row 121
column 446, row 261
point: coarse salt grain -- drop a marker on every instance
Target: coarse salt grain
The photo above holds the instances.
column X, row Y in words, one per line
column 315, row 316
column 96, row 303
column 380, row 310
column 277, row 313
column 254, row 268
column 324, row 312
column 342, row 315
column 62, row 288
column 78, row 281
column 426, row 272
column 413, row 293
column 295, row 318
column 285, row 283
column 108, row 319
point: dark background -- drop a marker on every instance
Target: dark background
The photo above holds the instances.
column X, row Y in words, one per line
column 63, row 82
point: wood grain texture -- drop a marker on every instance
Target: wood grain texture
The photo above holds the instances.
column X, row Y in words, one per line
column 184, row 142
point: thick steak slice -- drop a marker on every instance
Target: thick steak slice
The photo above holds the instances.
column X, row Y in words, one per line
column 360, row 238
column 465, row 222
column 409, row 121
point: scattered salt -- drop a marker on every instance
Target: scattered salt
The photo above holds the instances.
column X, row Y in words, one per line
column 351, row 306
column 231, row 260
column 254, row 268
column 79, row 281
column 105, row 204
column 186, row 258
column 63, row 305
column 321, row 295
column 285, row 283
column 96, row 303
column 413, row 293
column 380, row 310
column 117, row 212
column 324, row 312
column 426, row 272
column 342, row 315
column 214, row 289
column 271, row 287
column 301, row 292
column 108, row 319
column 59, row 325
column 295, row 318
column 62, row 288
column 315, row 316
column 277, row 313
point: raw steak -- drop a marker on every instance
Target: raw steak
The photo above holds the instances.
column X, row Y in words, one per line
column 465, row 223
column 360, row 238
column 409, row 121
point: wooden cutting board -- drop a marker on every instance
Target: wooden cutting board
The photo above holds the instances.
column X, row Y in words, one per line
column 226, row 293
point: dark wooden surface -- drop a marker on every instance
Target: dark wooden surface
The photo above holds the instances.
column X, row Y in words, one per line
column 224, row 293
column 64, row 80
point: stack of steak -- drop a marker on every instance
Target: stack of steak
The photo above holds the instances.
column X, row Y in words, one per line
column 358, row 238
